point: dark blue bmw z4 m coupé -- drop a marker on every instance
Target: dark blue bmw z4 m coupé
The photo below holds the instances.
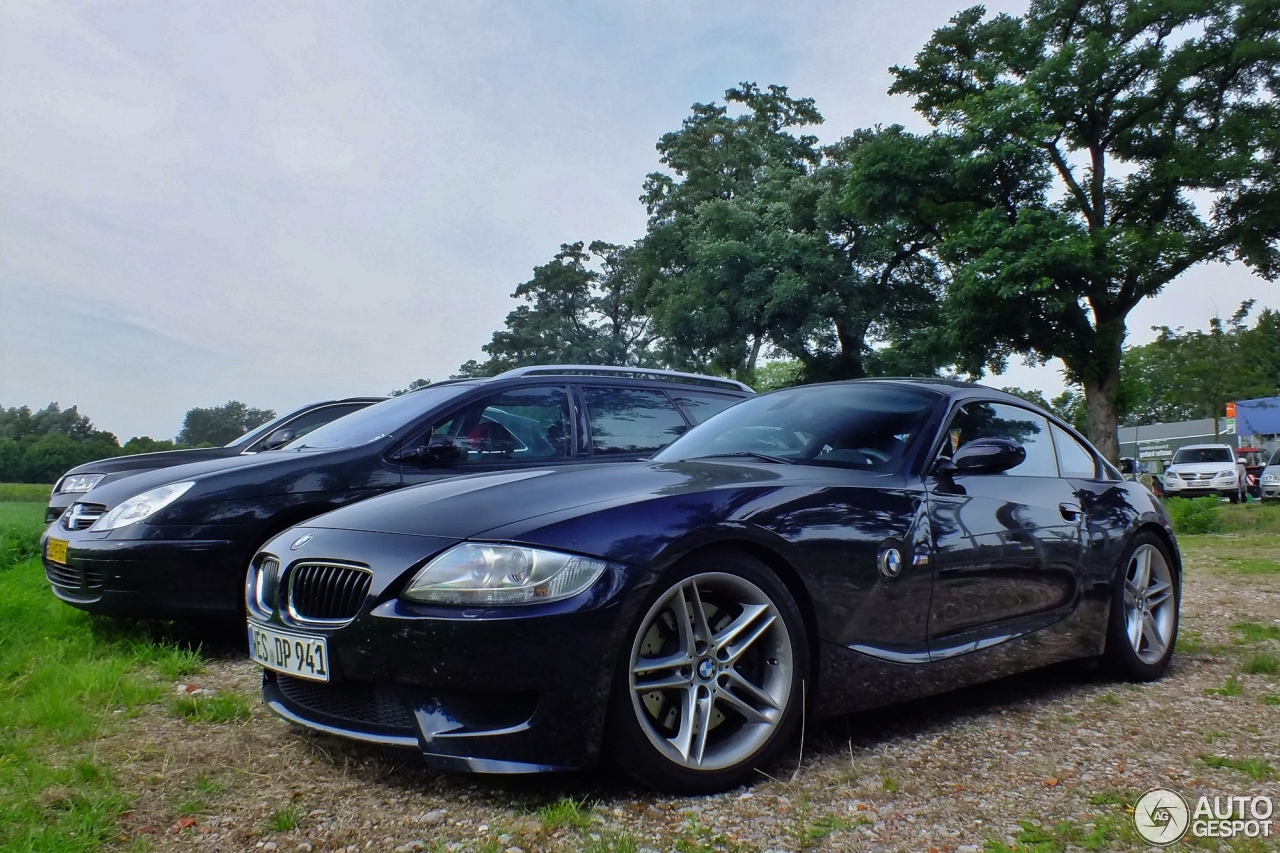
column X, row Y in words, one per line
column 815, row 550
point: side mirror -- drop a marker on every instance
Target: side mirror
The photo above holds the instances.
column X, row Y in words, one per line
column 279, row 439
column 983, row 456
column 440, row 451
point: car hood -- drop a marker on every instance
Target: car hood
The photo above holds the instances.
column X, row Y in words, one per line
column 1200, row 467
column 114, row 490
column 147, row 461
column 465, row 507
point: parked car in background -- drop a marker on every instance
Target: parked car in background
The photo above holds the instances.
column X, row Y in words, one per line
column 1269, row 481
column 269, row 436
column 815, row 551
column 175, row 543
column 1201, row 470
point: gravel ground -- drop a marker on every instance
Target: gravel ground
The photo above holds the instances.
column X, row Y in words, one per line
column 1041, row 762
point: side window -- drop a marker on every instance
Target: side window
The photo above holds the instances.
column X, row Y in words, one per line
column 997, row 420
column 310, row 421
column 698, row 407
column 630, row 420
column 1073, row 459
column 521, row 425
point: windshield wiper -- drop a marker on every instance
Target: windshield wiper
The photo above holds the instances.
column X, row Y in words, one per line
column 748, row 453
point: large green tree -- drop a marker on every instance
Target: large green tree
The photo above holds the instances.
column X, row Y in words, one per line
column 218, row 425
column 579, row 308
column 1085, row 155
column 750, row 250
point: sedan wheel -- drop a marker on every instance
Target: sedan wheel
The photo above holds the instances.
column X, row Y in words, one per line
column 1144, row 618
column 713, row 677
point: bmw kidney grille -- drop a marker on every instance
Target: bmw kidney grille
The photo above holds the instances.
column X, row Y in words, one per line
column 327, row 592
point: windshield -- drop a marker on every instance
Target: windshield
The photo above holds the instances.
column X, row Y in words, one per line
column 1196, row 455
column 380, row 419
column 258, row 431
column 1275, row 458
column 867, row 426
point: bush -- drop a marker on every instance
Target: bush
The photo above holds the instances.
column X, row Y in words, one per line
column 1200, row 515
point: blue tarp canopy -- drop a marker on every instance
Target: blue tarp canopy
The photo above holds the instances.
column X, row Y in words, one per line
column 1258, row 417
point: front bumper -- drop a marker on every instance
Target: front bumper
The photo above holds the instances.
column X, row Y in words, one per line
column 148, row 578
column 1175, row 489
column 489, row 691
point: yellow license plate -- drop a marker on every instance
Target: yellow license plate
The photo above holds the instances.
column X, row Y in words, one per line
column 56, row 550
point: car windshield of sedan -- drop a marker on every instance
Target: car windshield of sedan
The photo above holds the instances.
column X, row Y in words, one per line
column 373, row 422
column 868, row 427
column 258, row 431
column 1196, row 455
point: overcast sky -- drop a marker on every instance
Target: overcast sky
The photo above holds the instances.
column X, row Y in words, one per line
column 285, row 202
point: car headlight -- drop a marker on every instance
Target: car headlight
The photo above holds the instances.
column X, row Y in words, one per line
column 479, row 573
column 1270, row 477
column 142, row 506
column 1171, row 475
column 1222, row 474
column 77, row 483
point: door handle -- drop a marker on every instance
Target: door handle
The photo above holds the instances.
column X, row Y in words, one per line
column 1070, row 511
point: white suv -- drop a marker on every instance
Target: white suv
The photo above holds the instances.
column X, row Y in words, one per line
column 1198, row 470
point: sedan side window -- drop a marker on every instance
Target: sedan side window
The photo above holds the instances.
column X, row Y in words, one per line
column 524, row 424
column 1073, row 459
column 698, row 407
column 997, row 420
column 630, row 420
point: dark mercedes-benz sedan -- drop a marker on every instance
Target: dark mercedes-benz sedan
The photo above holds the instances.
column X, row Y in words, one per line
column 813, row 551
column 272, row 435
column 175, row 543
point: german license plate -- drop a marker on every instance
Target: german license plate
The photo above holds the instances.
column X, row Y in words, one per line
column 56, row 551
column 294, row 654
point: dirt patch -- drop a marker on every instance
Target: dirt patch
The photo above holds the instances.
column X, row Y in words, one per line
column 1052, row 755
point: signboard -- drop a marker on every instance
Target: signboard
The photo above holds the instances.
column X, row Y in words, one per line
column 1231, row 410
column 1229, row 425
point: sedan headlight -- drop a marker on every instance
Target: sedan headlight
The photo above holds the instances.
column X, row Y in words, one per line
column 142, row 506
column 479, row 573
column 77, row 483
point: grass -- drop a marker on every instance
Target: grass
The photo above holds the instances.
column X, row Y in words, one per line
column 565, row 813
column 1105, row 832
column 1255, row 768
column 1232, row 687
column 222, row 708
column 66, row 678
column 25, row 493
column 1199, row 515
column 285, row 819
column 1252, row 632
column 1263, row 663
column 1250, row 518
column 1252, row 565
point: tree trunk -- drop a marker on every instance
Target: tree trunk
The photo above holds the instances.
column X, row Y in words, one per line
column 1104, row 418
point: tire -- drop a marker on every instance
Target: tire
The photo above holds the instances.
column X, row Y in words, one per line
column 730, row 693
column 1146, row 597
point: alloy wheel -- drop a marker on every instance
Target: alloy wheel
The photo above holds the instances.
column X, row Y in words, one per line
column 711, row 671
column 1150, row 606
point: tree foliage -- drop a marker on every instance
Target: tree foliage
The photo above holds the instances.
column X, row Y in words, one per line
column 218, row 425
column 1184, row 375
column 750, row 250
column 1085, row 155
column 579, row 308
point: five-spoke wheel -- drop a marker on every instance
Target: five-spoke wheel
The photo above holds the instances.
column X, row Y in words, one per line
column 713, row 675
column 1144, row 618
